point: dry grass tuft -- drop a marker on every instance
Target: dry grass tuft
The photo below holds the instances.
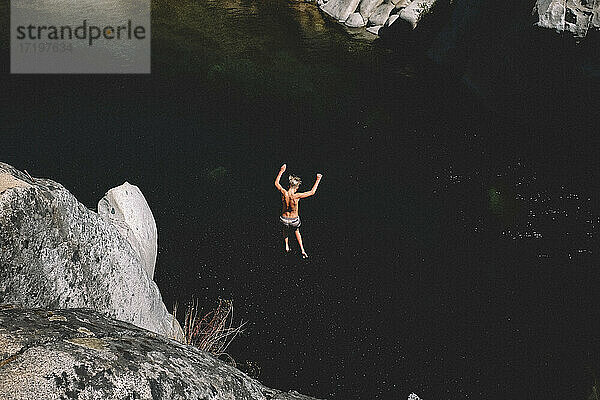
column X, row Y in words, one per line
column 212, row 332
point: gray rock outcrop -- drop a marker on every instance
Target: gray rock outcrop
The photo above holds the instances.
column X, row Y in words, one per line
column 126, row 207
column 376, row 13
column 373, row 29
column 366, row 7
column 414, row 11
column 56, row 253
column 391, row 19
column 80, row 354
column 402, row 3
column 340, row 9
column 575, row 16
column 381, row 14
column 355, row 20
column 7, row 181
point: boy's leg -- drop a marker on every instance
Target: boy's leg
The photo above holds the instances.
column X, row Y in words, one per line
column 299, row 237
column 286, row 239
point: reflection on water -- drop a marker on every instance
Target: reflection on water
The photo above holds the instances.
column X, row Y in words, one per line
column 261, row 31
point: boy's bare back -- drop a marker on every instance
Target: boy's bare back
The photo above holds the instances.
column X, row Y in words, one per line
column 290, row 204
column 290, row 198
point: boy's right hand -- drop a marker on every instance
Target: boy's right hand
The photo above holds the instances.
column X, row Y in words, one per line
column 283, row 167
column 319, row 176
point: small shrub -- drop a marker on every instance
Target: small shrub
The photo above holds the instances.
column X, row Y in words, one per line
column 212, row 332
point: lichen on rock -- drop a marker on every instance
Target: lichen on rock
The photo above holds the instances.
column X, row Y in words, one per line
column 54, row 360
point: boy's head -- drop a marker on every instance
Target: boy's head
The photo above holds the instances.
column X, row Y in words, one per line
column 294, row 182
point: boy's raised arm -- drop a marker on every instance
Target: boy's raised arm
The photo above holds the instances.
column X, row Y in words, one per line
column 281, row 171
column 314, row 188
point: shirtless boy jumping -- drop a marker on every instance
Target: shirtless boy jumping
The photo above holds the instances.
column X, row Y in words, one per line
column 289, row 215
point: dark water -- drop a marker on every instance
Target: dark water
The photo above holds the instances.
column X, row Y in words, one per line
column 453, row 252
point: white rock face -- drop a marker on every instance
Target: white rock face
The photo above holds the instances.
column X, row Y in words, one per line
column 576, row 16
column 340, row 9
column 551, row 14
column 391, row 19
column 381, row 14
column 413, row 396
column 7, row 181
column 126, row 207
column 355, row 20
column 367, row 7
column 415, row 11
column 55, row 252
column 374, row 29
column 403, row 3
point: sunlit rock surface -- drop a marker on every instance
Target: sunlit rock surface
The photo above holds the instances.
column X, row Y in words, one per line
column 391, row 19
column 381, row 14
column 126, row 207
column 80, row 354
column 377, row 13
column 7, row 181
column 414, row 11
column 355, row 20
column 575, row 16
column 374, row 29
column 366, row 7
column 402, row 3
column 54, row 252
column 340, row 9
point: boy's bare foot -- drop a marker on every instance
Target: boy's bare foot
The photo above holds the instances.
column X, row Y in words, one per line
column 304, row 255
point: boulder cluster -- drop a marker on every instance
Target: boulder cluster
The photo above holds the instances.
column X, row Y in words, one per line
column 376, row 13
column 575, row 16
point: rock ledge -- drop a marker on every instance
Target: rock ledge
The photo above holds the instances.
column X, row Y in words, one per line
column 81, row 354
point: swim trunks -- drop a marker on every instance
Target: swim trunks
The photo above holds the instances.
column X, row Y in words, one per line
column 290, row 224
